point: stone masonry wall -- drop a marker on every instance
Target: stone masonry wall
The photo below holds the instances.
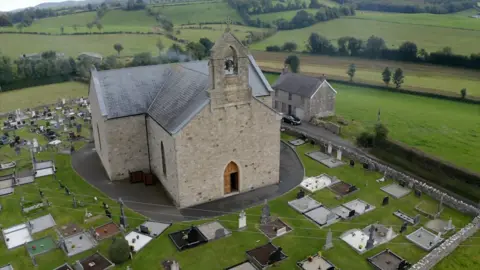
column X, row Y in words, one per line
column 447, row 247
column 99, row 130
column 322, row 103
column 246, row 134
column 127, row 147
column 156, row 136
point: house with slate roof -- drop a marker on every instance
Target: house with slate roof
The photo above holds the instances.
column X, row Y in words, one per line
column 203, row 128
column 303, row 96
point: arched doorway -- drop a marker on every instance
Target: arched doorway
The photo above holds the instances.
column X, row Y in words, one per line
column 231, row 178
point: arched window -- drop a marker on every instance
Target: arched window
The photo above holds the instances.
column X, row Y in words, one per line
column 231, row 62
column 164, row 165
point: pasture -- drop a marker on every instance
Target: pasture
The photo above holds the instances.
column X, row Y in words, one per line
column 214, row 31
column 19, row 44
column 430, row 38
column 36, row 96
column 446, row 129
column 418, row 77
column 199, row 13
column 287, row 15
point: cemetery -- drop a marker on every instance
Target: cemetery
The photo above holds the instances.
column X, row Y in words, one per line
column 188, row 238
column 105, row 231
column 396, row 190
column 316, row 262
column 322, row 216
column 78, row 243
column 425, row 239
column 266, row 255
column 387, row 260
column 313, row 184
column 304, row 204
column 326, row 159
column 152, row 229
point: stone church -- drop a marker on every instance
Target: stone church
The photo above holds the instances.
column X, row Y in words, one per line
column 203, row 128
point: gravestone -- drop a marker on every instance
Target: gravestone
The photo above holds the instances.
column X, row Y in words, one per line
column 275, row 256
column 74, row 202
column 389, row 233
column 370, row 240
column 265, row 218
column 242, row 220
column 331, row 217
column 67, row 191
column 79, row 128
column 219, row 233
column 367, row 206
column 41, row 193
column 123, row 218
column 410, row 184
column 281, row 231
column 352, row 163
column 449, row 225
column 17, row 150
column 175, row 266
column 440, row 205
column 108, row 213
column 301, row 194
column 437, row 238
column 418, row 193
column 385, row 201
column 416, row 219
column 404, row 227
column 328, row 242
column 402, row 183
column 329, row 149
column 144, row 230
column 351, row 213
column 105, row 206
column 365, row 166
column 78, row 266
column 339, row 154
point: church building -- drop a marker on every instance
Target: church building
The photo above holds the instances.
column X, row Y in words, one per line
column 204, row 128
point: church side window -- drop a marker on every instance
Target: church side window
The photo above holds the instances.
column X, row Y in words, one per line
column 99, row 139
column 164, row 165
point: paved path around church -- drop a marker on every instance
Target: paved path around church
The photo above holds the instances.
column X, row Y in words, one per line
column 153, row 202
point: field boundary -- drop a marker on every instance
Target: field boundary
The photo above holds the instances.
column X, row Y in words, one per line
column 417, row 91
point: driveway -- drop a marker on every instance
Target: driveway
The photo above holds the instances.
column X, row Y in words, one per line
column 153, row 202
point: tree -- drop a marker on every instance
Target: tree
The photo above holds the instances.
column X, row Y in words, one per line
column 207, row 43
column 351, row 71
column 160, row 46
column 6, row 70
column 62, row 29
column 99, row 26
column 463, row 92
column 110, row 62
column 196, row 50
column 142, row 59
column 90, row 26
column 289, row 46
column 293, row 62
column 118, row 47
column 381, row 132
column 386, row 76
column 447, row 50
column 4, row 20
column 408, row 51
column 398, row 77
column 119, row 251
column 84, row 66
column 374, row 46
column 319, row 44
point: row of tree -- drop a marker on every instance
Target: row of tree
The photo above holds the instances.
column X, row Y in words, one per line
column 429, row 6
column 304, row 19
column 376, row 48
column 265, row 6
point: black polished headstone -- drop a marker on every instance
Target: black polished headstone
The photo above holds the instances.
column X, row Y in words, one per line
column 108, row 213
column 404, row 227
column 301, row 194
column 365, row 166
column 352, row 163
column 276, row 255
column 351, row 213
column 385, row 201
column 418, row 193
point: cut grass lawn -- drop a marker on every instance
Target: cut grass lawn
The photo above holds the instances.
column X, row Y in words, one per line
column 19, row 44
column 36, row 96
column 214, row 31
column 418, row 77
column 199, row 13
column 430, row 38
column 446, row 129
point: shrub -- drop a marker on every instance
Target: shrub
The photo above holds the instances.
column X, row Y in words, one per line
column 365, row 139
column 119, row 251
column 381, row 132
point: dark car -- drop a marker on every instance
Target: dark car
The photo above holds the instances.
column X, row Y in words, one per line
column 292, row 120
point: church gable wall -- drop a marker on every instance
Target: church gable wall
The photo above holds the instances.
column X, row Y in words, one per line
column 168, row 175
column 99, row 129
column 127, row 147
column 247, row 134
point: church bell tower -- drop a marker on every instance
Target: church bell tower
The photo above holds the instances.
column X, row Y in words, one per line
column 228, row 71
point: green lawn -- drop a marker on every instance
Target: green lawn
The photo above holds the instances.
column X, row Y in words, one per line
column 36, row 96
column 199, row 13
column 287, row 15
column 53, row 24
column 446, row 129
column 428, row 37
column 18, row 44
column 214, row 31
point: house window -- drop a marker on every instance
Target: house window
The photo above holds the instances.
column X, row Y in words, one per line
column 99, row 139
column 164, row 165
column 289, row 96
column 284, row 107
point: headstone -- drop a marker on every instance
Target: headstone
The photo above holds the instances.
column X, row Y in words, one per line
column 74, row 202
column 219, row 233
column 410, row 184
column 440, row 205
column 175, row 266
column 301, row 194
column 404, row 227
column 67, row 191
column 437, row 238
column 329, row 149
column 365, row 166
column 144, row 230
column 339, row 154
column 17, row 150
column 265, row 218
column 78, row 266
column 351, row 213
column 328, row 241
column 418, row 193
column 123, row 218
column 108, row 213
column 385, row 201
column 449, row 225
column 416, row 219
column 242, row 220
column 352, row 163
column 281, row 231
column 370, row 240
column 389, row 233
column 367, row 206
column 402, row 183
column 105, row 206
column 331, row 217
column 79, row 128
column 87, row 214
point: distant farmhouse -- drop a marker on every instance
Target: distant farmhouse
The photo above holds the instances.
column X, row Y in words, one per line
column 203, row 128
column 94, row 57
column 303, row 96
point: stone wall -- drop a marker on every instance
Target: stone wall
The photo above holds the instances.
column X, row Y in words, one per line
column 447, row 247
column 322, row 103
column 99, row 129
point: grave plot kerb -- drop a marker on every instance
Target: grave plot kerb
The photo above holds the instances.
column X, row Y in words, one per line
column 167, row 225
column 378, row 267
column 254, row 261
column 300, row 263
column 93, row 231
column 65, row 266
column 111, row 264
column 288, row 228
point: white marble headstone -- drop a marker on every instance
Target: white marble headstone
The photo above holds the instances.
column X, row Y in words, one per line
column 282, row 231
column 329, row 149
column 339, row 154
column 242, row 220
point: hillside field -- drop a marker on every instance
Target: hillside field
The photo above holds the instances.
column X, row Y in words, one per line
column 418, row 77
column 40, row 95
column 431, row 38
column 18, row 44
column 446, row 129
column 199, row 13
column 287, row 15
column 214, row 31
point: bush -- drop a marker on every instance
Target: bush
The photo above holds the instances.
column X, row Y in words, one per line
column 381, row 132
column 365, row 139
column 119, row 251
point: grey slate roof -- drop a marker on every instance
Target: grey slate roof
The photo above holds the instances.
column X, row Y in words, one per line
column 297, row 84
column 172, row 94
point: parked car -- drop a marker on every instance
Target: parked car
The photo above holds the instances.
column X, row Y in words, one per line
column 292, row 120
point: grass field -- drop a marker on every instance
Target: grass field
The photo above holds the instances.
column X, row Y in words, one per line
column 446, row 129
column 287, row 15
column 199, row 13
column 18, row 44
column 36, row 96
column 430, row 38
column 427, row 78
column 455, row 20
column 215, row 32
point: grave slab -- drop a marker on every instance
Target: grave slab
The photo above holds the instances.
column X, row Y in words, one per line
column 342, row 188
column 96, row 261
column 313, row 184
column 261, row 256
column 439, row 226
column 356, row 239
column 342, row 212
column 315, row 262
column 155, row 228
column 40, row 246
column 210, row 230
column 381, row 235
column 70, row 229
column 325, row 159
column 396, row 191
column 385, row 260
column 6, row 267
column 6, row 184
column 78, row 243
column 6, row 191
column 106, row 231
column 404, row 217
column 424, row 239
column 137, row 240
column 304, row 204
column 242, row 266
column 42, row 223
column 16, row 236
column 273, row 227
column 359, row 206
column 7, row 165
column 296, row 142
column 322, row 216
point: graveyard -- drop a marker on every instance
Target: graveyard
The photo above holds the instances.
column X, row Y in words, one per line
column 60, row 219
